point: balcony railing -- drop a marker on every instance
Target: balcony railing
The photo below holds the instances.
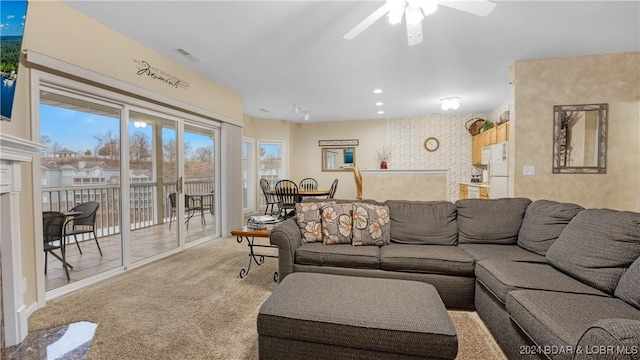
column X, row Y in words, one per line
column 146, row 206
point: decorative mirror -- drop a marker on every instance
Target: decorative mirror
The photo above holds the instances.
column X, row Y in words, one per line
column 580, row 139
column 338, row 158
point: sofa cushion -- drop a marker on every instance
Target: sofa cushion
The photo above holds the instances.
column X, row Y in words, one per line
column 336, row 223
column 628, row 288
column 559, row 319
column 502, row 276
column 494, row 221
column 370, row 224
column 433, row 259
column 423, row 222
column 341, row 255
column 309, row 221
column 543, row 222
column 597, row 246
column 499, row 251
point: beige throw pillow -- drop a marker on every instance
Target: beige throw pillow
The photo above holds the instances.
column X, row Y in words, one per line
column 370, row 224
column 336, row 223
column 309, row 221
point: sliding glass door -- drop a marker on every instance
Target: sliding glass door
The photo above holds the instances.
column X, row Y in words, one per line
column 151, row 172
column 153, row 175
column 82, row 165
column 199, row 181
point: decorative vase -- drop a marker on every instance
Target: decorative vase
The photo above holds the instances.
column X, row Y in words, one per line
column 383, row 165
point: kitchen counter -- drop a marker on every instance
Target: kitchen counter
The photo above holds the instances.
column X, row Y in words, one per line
column 482, row 185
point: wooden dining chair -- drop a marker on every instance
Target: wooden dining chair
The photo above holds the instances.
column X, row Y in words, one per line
column 308, row 184
column 288, row 196
column 332, row 190
column 269, row 199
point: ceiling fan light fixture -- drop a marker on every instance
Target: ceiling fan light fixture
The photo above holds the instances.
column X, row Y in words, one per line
column 450, row 103
column 429, row 7
column 306, row 115
column 396, row 10
column 414, row 15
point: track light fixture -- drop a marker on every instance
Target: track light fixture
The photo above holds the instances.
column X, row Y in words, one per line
column 297, row 109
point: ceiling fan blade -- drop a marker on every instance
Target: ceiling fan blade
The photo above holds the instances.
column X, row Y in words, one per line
column 366, row 22
column 414, row 33
column 476, row 7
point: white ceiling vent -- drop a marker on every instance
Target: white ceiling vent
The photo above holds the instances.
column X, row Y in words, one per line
column 187, row 54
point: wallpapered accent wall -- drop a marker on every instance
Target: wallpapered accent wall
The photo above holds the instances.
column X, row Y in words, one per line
column 494, row 115
column 406, row 136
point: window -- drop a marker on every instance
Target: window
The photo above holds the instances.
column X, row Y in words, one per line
column 270, row 163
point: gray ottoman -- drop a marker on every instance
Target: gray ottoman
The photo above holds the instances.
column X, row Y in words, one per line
column 321, row 316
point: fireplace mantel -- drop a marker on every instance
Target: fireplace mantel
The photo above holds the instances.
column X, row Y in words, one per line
column 13, row 152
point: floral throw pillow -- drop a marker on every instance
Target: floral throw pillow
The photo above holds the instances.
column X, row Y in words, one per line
column 336, row 223
column 309, row 222
column 371, row 225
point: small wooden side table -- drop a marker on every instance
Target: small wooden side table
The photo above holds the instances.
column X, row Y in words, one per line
column 250, row 234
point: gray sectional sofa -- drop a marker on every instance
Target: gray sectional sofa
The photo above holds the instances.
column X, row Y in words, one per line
column 548, row 279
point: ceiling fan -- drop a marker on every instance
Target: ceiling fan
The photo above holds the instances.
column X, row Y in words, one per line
column 414, row 11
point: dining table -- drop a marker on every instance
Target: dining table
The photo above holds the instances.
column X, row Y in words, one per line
column 303, row 193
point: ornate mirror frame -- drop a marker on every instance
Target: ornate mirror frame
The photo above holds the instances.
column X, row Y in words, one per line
column 580, row 139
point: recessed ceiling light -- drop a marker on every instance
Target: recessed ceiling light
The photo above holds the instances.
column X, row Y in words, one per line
column 377, row 91
column 379, row 103
column 380, row 112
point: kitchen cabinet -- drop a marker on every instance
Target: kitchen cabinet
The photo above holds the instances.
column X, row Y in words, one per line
column 484, row 193
column 464, row 192
column 502, row 132
column 473, row 191
column 495, row 135
column 477, row 142
column 486, row 140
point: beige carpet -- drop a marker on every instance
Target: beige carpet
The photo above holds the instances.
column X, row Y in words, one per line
column 193, row 305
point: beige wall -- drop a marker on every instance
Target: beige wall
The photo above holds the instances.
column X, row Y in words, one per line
column 540, row 84
column 307, row 160
column 61, row 32
column 55, row 30
column 303, row 152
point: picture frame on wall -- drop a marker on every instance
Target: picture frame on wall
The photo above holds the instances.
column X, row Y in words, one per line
column 347, row 142
column 13, row 15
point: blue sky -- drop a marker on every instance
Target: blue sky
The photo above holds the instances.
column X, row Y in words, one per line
column 75, row 130
column 12, row 15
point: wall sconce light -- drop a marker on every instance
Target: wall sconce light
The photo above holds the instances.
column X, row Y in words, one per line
column 452, row 103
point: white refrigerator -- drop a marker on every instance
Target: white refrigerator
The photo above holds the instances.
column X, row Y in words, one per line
column 499, row 171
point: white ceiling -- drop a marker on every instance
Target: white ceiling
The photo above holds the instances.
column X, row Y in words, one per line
column 278, row 53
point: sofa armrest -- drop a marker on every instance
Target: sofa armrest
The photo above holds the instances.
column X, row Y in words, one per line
column 288, row 238
column 610, row 339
